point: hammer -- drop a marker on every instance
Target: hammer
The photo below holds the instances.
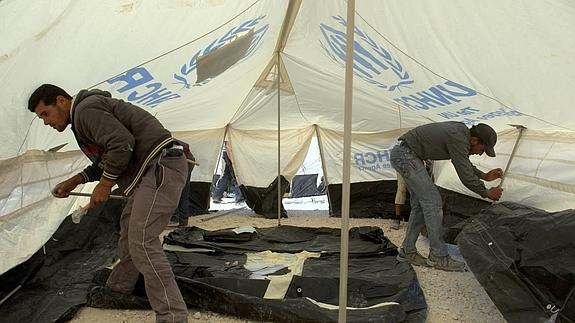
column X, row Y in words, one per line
column 113, row 197
column 78, row 214
column 520, row 128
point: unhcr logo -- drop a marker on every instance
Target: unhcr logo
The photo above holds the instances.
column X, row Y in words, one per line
column 234, row 46
column 141, row 86
column 371, row 61
column 372, row 160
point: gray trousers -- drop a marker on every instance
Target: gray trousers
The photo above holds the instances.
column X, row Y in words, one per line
column 144, row 217
column 426, row 204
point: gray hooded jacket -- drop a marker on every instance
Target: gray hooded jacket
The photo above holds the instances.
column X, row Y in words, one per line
column 118, row 137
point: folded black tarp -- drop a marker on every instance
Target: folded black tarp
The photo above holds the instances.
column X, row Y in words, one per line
column 525, row 259
column 52, row 286
column 375, row 276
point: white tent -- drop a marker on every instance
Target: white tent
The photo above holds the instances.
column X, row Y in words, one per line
column 207, row 69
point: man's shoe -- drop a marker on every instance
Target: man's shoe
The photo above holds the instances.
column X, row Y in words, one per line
column 104, row 297
column 414, row 258
column 217, row 200
column 395, row 225
column 445, row 263
column 176, row 221
column 173, row 222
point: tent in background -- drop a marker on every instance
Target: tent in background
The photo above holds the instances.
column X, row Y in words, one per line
column 208, row 69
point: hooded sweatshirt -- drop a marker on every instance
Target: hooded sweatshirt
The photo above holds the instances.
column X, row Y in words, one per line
column 443, row 141
column 118, row 137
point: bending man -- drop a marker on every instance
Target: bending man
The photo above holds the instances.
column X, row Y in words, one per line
column 440, row 141
column 129, row 147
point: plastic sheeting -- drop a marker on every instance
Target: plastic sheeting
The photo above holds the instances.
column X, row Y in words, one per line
column 376, row 278
column 525, row 259
column 231, row 271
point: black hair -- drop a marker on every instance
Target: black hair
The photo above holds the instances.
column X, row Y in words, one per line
column 473, row 132
column 46, row 93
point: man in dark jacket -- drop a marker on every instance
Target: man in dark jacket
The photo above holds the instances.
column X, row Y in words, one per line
column 440, row 141
column 128, row 147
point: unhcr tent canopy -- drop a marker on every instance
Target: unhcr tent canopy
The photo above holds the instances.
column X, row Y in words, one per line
column 214, row 69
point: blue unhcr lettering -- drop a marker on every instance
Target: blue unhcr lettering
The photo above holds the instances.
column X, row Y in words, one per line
column 371, row 157
column 143, row 92
column 133, row 78
column 437, row 96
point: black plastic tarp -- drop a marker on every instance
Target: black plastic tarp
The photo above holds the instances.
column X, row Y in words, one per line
column 525, row 259
column 375, row 275
column 367, row 199
column 264, row 201
column 52, row 286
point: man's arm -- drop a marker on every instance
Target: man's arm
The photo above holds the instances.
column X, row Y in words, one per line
column 110, row 134
column 118, row 142
column 465, row 170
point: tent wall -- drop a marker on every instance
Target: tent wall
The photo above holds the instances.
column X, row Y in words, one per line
column 202, row 67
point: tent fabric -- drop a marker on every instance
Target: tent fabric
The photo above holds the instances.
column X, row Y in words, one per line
column 189, row 63
column 525, row 260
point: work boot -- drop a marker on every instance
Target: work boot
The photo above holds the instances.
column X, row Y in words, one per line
column 176, row 221
column 414, row 258
column 104, row 297
column 445, row 263
column 395, row 225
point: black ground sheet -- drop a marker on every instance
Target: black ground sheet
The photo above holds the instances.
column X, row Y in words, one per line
column 54, row 284
column 375, row 276
column 525, row 259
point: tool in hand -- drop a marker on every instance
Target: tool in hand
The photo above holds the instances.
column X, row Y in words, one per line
column 78, row 214
column 113, row 197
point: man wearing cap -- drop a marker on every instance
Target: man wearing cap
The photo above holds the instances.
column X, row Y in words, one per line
column 440, row 141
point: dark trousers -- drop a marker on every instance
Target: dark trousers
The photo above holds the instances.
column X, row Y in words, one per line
column 144, row 217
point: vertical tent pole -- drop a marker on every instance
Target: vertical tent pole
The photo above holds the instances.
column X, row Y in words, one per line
column 279, row 143
column 343, row 260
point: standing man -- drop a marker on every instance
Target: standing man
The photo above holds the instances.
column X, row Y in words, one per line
column 227, row 182
column 128, row 147
column 440, row 141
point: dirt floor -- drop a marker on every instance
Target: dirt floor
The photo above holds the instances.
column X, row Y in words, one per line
column 451, row 297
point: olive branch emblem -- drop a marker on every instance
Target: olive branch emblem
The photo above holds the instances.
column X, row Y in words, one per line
column 366, row 65
column 187, row 68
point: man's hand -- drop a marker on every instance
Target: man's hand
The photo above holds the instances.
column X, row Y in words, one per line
column 64, row 188
column 494, row 193
column 101, row 192
column 493, row 174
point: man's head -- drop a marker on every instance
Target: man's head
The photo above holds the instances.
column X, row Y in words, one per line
column 52, row 105
column 483, row 139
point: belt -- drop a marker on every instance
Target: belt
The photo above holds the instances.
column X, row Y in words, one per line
column 172, row 149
